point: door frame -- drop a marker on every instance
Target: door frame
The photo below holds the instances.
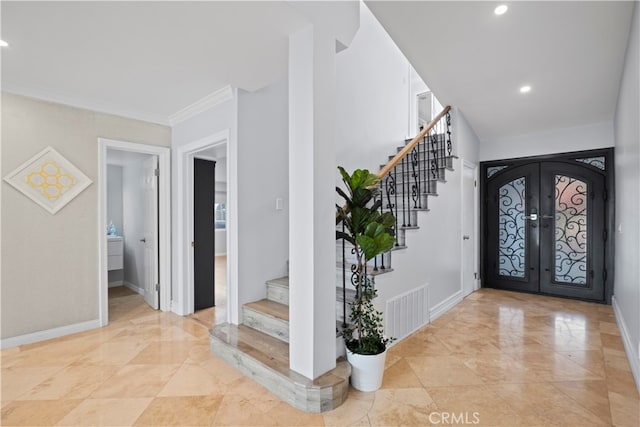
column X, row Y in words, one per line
column 476, row 206
column 609, row 174
column 164, row 220
column 184, row 230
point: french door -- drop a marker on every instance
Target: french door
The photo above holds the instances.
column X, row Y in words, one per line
column 545, row 229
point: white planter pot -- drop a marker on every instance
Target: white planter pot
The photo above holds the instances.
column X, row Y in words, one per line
column 366, row 370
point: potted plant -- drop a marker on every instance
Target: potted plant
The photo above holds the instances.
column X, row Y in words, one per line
column 371, row 233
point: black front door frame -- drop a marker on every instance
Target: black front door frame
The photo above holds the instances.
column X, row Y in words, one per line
column 609, row 174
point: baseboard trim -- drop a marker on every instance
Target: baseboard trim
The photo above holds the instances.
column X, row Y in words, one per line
column 133, row 287
column 634, row 358
column 176, row 307
column 116, row 283
column 445, row 306
column 48, row 334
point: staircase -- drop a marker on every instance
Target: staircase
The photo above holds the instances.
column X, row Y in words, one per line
column 408, row 180
column 259, row 348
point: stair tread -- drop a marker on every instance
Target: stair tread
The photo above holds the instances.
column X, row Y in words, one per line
column 280, row 281
column 274, row 354
column 272, row 308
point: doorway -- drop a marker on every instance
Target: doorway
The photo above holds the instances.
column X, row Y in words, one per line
column 133, row 225
column 204, row 178
column 469, row 229
column 214, row 148
column 546, row 225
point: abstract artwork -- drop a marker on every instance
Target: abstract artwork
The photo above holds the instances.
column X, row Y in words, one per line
column 48, row 179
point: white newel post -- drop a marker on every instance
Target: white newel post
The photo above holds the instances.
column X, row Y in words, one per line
column 312, row 169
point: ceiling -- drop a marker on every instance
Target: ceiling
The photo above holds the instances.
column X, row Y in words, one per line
column 145, row 60
column 149, row 60
column 571, row 53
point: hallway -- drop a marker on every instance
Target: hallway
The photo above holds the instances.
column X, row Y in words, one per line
column 514, row 359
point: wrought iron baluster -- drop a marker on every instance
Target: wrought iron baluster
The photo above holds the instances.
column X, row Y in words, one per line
column 404, row 218
column 394, row 188
column 415, row 169
column 449, row 144
column 434, row 155
column 407, row 195
column 382, row 212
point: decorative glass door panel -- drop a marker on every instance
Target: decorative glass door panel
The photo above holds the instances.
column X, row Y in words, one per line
column 511, row 226
column 571, row 232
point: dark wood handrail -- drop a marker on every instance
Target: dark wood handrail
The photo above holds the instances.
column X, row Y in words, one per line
column 410, row 146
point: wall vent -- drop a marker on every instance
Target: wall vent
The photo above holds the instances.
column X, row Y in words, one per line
column 407, row 312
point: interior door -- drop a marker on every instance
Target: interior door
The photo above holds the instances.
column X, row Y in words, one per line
column 545, row 230
column 469, row 271
column 150, row 239
column 203, row 233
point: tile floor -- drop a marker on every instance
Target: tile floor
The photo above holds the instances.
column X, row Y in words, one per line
column 498, row 358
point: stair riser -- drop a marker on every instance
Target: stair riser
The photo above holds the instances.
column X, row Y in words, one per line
column 306, row 399
column 351, row 259
column 278, row 293
column 266, row 324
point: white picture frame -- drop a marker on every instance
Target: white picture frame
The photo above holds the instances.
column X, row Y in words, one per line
column 48, row 179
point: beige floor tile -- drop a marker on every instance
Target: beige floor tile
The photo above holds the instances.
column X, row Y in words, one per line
column 193, row 380
column 181, row 411
column 625, row 411
column 17, row 381
column 542, row 404
column 287, row 415
column 106, row 412
column 112, row 353
column 73, row 382
column 591, row 395
column 477, row 405
column 237, row 410
column 136, row 381
column 352, row 412
column 36, row 412
column 164, row 353
column 612, row 341
column 591, row 360
column 442, row 371
column 621, row 381
column 400, row 375
column 496, row 367
column 401, row 407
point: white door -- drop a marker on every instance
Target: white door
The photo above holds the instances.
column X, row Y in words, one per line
column 469, row 271
column 150, row 239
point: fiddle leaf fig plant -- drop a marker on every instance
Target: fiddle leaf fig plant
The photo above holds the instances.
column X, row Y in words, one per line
column 371, row 233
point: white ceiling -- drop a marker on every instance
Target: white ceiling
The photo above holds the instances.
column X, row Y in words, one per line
column 149, row 60
column 145, row 60
column 571, row 53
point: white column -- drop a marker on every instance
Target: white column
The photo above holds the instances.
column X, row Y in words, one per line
column 312, row 177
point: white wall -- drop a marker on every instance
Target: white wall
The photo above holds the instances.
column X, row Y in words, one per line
column 263, row 176
column 66, row 274
column 376, row 96
column 114, row 212
column 627, row 139
column 589, row 137
column 372, row 90
column 133, row 210
column 114, row 196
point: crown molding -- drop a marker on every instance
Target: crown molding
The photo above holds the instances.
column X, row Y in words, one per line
column 98, row 107
column 216, row 98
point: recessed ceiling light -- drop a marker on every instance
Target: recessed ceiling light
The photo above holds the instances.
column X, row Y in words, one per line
column 525, row 89
column 3, row 43
column 501, row 10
